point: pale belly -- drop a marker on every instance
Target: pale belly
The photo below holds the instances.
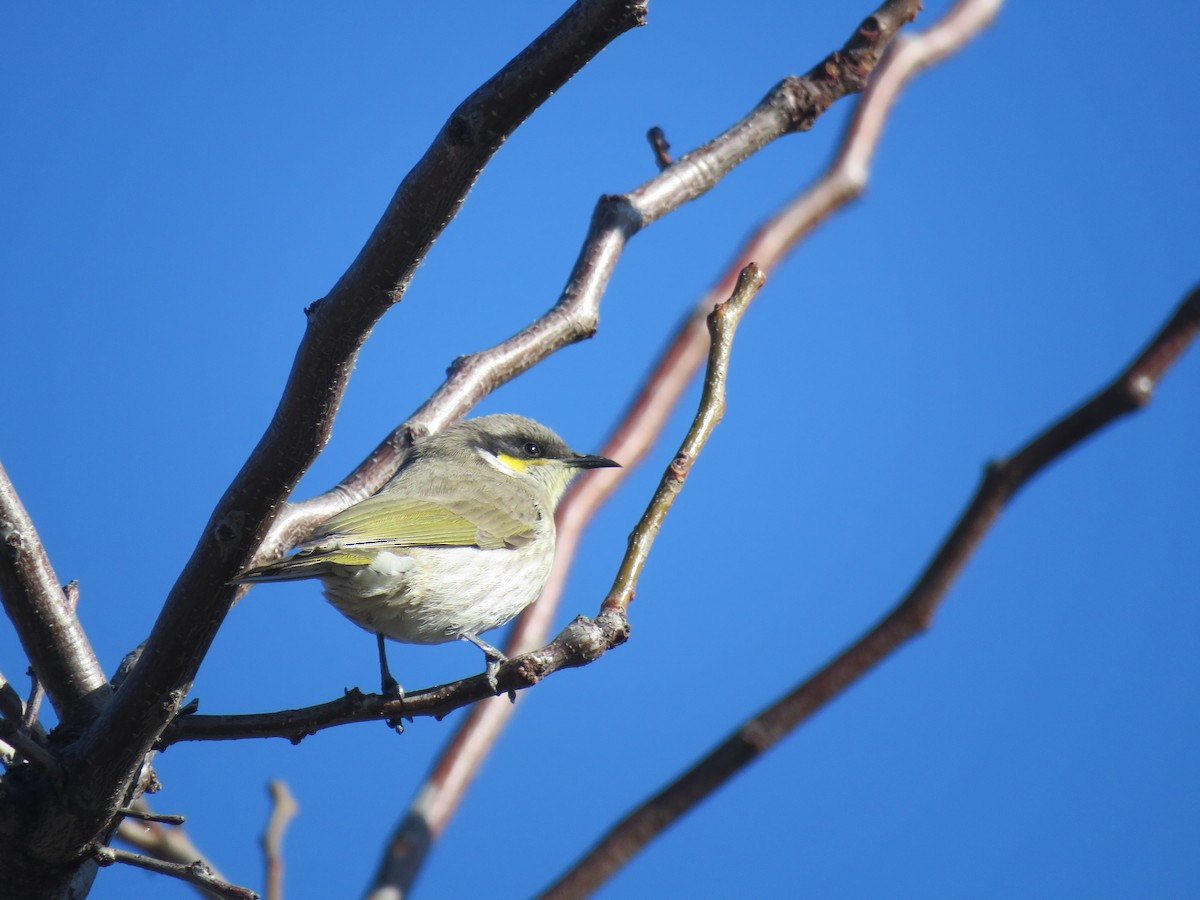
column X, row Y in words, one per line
column 428, row 596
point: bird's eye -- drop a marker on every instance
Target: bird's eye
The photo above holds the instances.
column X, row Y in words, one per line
column 532, row 448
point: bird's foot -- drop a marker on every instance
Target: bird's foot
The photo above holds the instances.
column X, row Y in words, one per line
column 390, row 687
column 393, row 693
column 493, row 666
column 495, row 659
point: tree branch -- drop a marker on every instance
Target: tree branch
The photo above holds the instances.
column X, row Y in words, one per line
column 167, row 844
column 31, row 750
column 195, row 873
column 283, row 810
column 722, row 323
column 1131, row 390
column 50, row 633
column 111, row 751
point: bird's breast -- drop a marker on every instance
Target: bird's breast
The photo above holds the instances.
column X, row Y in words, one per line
column 427, row 595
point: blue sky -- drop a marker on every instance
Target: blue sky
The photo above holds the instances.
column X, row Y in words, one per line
column 180, row 182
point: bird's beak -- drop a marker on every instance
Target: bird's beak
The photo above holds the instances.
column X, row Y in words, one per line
column 591, row 462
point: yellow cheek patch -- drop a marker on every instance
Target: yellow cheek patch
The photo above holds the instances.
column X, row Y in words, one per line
column 517, row 464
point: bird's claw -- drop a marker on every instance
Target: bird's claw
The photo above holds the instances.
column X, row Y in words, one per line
column 495, row 659
column 393, row 693
column 493, row 666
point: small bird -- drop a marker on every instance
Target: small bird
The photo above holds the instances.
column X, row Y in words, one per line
column 459, row 541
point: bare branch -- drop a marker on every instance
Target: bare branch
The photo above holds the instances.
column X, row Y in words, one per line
column 195, row 873
column 35, row 753
column 13, row 710
column 846, row 178
column 283, row 810
column 722, row 323
column 167, row 844
column 581, row 642
column 1131, row 390
column 144, row 815
column 53, row 640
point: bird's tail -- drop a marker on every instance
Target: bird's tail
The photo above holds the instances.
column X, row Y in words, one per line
column 306, row 564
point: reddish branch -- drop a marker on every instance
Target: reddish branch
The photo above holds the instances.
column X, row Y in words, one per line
column 1131, row 390
column 283, row 809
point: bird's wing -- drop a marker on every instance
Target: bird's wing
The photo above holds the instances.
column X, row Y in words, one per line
column 387, row 520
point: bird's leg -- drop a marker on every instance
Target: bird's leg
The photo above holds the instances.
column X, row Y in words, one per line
column 389, row 685
column 495, row 659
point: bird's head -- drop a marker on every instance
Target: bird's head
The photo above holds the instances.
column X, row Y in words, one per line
column 518, row 447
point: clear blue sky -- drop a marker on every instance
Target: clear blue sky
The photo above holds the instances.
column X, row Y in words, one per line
column 181, row 181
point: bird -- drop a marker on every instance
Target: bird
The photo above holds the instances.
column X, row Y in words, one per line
column 456, row 543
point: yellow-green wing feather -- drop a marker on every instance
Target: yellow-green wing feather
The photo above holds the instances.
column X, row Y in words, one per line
column 397, row 521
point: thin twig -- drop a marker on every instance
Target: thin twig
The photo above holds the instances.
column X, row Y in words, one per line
column 722, row 323
column 12, row 734
column 167, row 844
column 283, row 810
column 1131, row 390
column 194, row 873
column 11, row 706
column 144, row 815
column 13, row 709
column 658, row 143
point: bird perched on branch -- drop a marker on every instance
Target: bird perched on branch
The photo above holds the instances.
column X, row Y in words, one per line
column 457, row 543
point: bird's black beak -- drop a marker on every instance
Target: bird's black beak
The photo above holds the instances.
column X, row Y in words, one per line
column 591, row 462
